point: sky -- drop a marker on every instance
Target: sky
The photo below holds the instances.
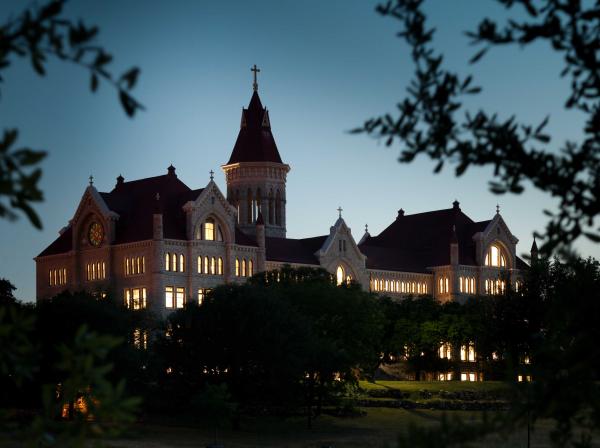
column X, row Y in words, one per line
column 326, row 67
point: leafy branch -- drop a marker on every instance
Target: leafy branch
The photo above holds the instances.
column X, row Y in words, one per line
column 432, row 119
column 38, row 34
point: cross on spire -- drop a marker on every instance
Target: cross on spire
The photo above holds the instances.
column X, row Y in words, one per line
column 366, row 228
column 340, row 209
column 255, row 69
column 91, row 180
column 212, row 174
column 497, row 209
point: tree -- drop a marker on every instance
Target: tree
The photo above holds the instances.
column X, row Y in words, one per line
column 433, row 121
column 38, row 34
column 6, row 292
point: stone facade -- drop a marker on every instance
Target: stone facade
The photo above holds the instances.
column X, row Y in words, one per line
column 156, row 243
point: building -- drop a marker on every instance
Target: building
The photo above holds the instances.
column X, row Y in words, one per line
column 161, row 244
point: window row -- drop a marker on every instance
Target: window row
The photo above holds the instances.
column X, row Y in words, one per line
column 95, row 271
column 443, row 285
column 244, row 268
column 135, row 298
column 134, row 265
column 464, row 376
column 495, row 287
column 467, row 352
column 467, row 285
column 210, row 265
column 174, row 262
column 57, row 277
column 398, row 286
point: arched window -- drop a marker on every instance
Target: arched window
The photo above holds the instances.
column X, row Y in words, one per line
column 250, row 218
column 212, row 265
column 339, row 275
column 200, row 264
column 250, row 268
column 271, row 208
column 181, row 263
column 206, row 269
column 167, row 261
column 237, row 267
column 209, row 229
column 220, row 272
column 244, row 271
column 495, row 256
column 278, row 208
column 174, row 262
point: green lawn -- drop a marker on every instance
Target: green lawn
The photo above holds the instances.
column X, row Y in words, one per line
column 378, row 429
column 436, row 386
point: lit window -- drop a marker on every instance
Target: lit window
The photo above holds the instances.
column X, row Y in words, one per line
column 495, row 256
column 135, row 298
column 200, row 264
column 339, row 275
column 250, row 268
column 446, row 351
column 237, row 267
column 169, row 297
column 244, row 271
column 181, row 263
column 212, row 265
column 174, row 262
column 180, row 296
column 206, row 265
column 220, row 272
column 209, row 229
column 201, row 296
column 167, row 262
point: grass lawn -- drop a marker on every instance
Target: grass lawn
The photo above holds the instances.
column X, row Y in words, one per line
column 436, row 386
column 378, row 429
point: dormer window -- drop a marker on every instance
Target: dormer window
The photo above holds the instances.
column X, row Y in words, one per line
column 209, row 231
column 495, row 257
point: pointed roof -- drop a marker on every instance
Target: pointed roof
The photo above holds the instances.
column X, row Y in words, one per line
column 255, row 142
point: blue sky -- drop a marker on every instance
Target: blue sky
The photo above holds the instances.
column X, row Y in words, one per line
column 325, row 68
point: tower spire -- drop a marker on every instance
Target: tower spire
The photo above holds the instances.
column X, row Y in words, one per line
column 255, row 69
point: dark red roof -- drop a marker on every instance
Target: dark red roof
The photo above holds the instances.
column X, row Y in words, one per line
column 244, row 240
column 289, row 250
column 416, row 242
column 135, row 202
column 62, row 244
column 255, row 142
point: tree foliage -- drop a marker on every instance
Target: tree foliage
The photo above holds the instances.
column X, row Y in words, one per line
column 432, row 119
column 38, row 34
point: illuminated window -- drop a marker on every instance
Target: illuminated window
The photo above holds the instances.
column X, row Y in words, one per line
column 200, row 264
column 167, row 262
column 445, row 376
column 237, row 267
column 212, row 265
column 467, row 352
column 169, row 297
column 57, row 277
column 339, row 275
column 209, row 229
column 180, row 297
column 174, row 262
column 181, row 263
column 135, row 298
column 250, row 268
column 206, row 265
column 220, row 266
column 446, row 351
column 202, row 294
column 495, row 256
column 244, row 272
column 468, row 376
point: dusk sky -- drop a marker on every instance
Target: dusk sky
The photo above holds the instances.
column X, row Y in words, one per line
column 325, row 68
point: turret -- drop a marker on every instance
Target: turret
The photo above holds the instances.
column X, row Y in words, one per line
column 255, row 173
column 534, row 251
